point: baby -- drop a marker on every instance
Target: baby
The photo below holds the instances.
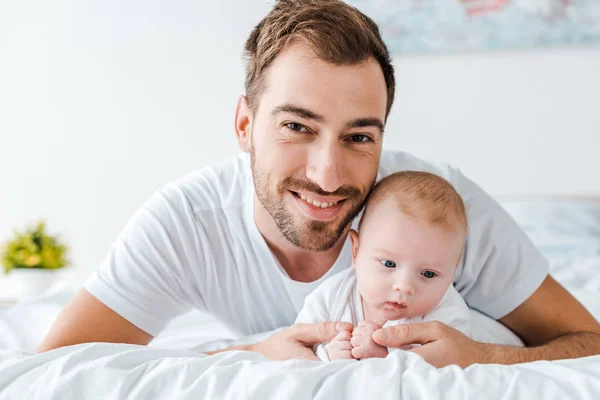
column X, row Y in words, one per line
column 404, row 257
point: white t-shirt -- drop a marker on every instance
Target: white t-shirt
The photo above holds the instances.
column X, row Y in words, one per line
column 338, row 299
column 195, row 244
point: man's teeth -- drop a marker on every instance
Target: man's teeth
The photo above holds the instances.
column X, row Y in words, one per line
column 317, row 203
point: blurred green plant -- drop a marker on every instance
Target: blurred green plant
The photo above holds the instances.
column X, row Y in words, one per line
column 34, row 248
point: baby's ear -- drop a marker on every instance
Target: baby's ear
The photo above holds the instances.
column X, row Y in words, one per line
column 354, row 240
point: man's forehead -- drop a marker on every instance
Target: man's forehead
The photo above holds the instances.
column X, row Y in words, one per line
column 297, row 77
column 299, row 61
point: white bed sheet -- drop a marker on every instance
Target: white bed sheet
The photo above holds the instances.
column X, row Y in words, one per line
column 24, row 325
column 567, row 232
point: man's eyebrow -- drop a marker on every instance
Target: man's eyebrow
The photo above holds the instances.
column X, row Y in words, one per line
column 308, row 114
column 366, row 123
column 298, row 111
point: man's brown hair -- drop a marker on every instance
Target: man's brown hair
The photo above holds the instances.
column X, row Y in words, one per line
column 335, row 31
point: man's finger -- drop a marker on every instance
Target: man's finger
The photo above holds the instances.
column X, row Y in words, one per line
column 344, row 327
column 423, row 351
column 309, row 355
column 318, row 332
column 402, row 334
column 428, row 352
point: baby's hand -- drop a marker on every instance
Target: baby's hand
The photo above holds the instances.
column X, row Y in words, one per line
column 340, row 348
column 362, row 342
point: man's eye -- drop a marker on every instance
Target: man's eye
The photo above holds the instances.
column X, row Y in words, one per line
column 360, row 138
column 388, row 263
column 428, row 274
column 296, row 127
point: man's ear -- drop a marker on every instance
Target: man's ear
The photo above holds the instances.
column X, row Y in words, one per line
column 354, row 240
column 243, row 124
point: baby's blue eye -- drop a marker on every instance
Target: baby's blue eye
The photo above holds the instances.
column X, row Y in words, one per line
column 428, row 274
column 388, row 264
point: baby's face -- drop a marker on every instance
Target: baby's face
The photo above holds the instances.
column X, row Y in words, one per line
column 403, row 266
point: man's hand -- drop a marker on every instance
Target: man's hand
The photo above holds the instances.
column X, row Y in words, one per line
column 297, row 340
column 340, row 347
column 362, row 342
column 551, row 321
column 441, row 345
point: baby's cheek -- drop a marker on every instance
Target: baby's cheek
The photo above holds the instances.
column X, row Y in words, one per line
column 370, row 287
column 429, row 300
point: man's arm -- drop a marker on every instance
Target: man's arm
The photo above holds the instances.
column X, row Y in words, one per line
column 86, row 319
column 553, row 324
column 551, row 321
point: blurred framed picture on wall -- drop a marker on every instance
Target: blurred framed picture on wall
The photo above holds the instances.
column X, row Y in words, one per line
column 442, row 26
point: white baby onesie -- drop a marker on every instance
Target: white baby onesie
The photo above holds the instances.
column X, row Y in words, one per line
column 338, row 299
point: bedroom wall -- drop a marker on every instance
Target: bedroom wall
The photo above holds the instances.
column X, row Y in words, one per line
column 101, row 103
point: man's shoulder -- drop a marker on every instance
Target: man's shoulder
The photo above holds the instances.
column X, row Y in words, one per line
column 220, row 186
column 452, row 299
column 394, row 161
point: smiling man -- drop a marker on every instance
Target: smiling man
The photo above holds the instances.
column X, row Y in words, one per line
column 248, row 240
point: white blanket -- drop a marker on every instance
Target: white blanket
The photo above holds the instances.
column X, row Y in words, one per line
column 109, row 371
column 105, row 371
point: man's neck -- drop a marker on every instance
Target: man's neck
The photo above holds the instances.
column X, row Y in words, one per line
column 300, row 265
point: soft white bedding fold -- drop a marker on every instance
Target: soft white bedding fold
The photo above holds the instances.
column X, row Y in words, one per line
column 103, row 371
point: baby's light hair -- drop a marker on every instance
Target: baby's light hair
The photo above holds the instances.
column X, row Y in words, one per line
column 423, row 196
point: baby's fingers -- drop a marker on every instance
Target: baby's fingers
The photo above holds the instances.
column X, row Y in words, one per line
column 357, row 340
column 359, row 352
column 341, row 355
column 342, row 345
column 342, row 336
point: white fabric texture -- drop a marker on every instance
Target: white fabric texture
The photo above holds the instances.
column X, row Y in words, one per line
column 194, row 245
column 338, row 299
column 110, row 371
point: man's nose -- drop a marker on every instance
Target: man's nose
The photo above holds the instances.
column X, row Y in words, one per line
column 326, row 164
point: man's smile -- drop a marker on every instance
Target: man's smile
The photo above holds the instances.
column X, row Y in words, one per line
column 316, row 207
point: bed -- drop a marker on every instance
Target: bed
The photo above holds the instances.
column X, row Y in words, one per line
column 567, row 231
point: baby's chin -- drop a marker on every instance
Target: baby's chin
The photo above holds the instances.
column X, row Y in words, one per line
column 392, row 315
column 402, row 313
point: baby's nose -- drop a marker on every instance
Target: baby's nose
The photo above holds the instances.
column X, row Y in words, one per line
column 404, row 287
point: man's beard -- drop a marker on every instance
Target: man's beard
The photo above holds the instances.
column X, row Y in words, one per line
column 314, row 235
